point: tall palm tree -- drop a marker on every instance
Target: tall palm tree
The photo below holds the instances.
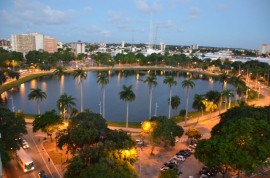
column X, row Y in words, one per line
column 170, row 81
column 65, row 103
column 103, row 81
column 227, row 94
column 223, row 78
column 38, row 95
column 198, row 104
column 80, row 74
column 59, row 71
column 151, row 82
column 127, row 95
column 188, row 83
column 239, row 84
column 175, row 102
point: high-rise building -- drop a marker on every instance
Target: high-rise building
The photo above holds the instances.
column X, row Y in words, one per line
column 162, row 46
column 264, row 49
column 78, row 47
column 122, row 44
column 50, row 44
column 39, row 41
column 194, row 46
column 23, row 43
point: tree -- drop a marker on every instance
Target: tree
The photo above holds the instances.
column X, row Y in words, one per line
column 127, row 95
column 12, row 126
column 193, row 133
column 162, row 131
column 3, row 78
column 171, row 173
column 223, row 78
column 80, row 74
column 175, row 102
column 97, row 150
column 187, row 84
column 38, row 95
column 170, row 81
column 151, row 82
column 47, row 122
column 227, row 94
column 59, row 71
column 65, row 103
column 103, row 81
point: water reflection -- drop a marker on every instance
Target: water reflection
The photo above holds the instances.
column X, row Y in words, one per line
column 115, row 108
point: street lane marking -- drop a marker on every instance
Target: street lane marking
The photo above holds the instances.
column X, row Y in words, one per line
column 41, row 155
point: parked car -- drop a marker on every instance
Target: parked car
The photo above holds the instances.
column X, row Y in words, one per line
column 164, row 168
column 209, row 171
column 25, row 144
column 186, row 153
column 140, row 142
column 170, row 165
column 42, row 174
column 179, row 157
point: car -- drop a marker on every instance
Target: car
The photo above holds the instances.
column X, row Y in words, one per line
column 192, row 146
column 209, row 171
column 140, row 142
column 170, row 165
column 164, row 168
column 42, row 174
column 186, row 153
column 25, row 144
column 179, row 157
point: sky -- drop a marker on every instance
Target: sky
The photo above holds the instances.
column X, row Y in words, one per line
column 218, row 23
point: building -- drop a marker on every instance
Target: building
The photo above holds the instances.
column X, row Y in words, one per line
column 162, row 46
column 78, row 47
column 122, row 44
column 194, row 47
column 264, row 49
column 39, row 41
column 5, row 44
column 50, row 44
column 23, row 43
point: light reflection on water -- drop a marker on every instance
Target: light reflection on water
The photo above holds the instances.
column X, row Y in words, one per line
column 115, row 108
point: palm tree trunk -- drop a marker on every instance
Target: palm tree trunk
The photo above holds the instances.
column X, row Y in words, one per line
column 170, row 104
column 103, row 102
column 186, row 107
column 127, row 117
column 38, row 105
column 81, row 98
column 150, row 104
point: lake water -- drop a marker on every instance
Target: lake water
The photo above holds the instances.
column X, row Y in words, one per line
column 115, row 108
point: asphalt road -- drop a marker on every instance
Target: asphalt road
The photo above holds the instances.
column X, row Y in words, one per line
column 39, row 156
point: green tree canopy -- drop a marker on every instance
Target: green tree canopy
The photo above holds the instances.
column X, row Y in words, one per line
column 12, row 126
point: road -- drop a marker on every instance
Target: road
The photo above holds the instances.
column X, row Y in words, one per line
column 39, row 155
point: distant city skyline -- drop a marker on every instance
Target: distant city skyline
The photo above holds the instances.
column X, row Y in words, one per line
column 223, row 23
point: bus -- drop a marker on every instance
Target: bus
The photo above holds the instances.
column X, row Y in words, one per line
column 24, row 160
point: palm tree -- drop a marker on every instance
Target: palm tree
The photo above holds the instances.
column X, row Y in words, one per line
column 170, row 81
column 80, row 74
column 223, row 78
column 103, row 81
column 65, row 103
column 151, row 82
column 198, row 104
column 227, row 94
column 38, row 95
column 187, row 84
column 59, row 71
column 175, row 102
column 239, row 84
column 127, row 95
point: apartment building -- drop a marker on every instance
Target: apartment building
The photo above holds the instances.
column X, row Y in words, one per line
column 50, row 44
column 23, row 43
column 78, row 47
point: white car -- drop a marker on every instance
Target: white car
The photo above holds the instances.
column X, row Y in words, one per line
column 25, row 144
column 179, row 158
column 164, row 168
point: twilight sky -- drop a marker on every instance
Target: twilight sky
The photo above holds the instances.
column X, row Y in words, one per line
column 220, row 23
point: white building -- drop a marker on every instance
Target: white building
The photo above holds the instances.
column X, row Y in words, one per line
column 162, row 46
column 264, row 49
column 23, row 43
column 78, row 47
column 122, row 44
column 194, row 46
column 39, row 40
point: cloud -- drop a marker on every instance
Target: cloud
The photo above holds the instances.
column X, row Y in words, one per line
column 194, row 13
column 165, row 24
column 99, row 31
column 87, row 9
column 180, row 29
column 143, row 6
column 37, row 13
column 118, row 20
